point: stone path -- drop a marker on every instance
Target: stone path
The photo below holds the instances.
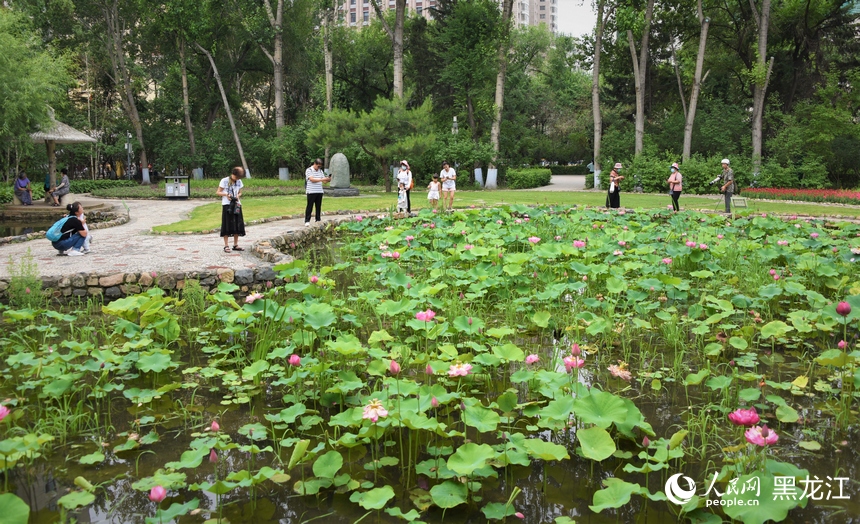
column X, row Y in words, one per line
column 131, row 248
column 563, row 183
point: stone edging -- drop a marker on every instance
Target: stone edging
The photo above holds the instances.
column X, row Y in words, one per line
column 273, row 219
column 272, row 250
column 117, row 285
column 118, row 221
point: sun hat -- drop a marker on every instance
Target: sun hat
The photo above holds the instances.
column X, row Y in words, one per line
column 725, row 161
column 617, row 165
column 404, row 163
column 676, row 166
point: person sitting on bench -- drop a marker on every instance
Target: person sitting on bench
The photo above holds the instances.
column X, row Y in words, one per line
column 61, row 190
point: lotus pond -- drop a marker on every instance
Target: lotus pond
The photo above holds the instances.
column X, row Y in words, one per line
column 546, row 364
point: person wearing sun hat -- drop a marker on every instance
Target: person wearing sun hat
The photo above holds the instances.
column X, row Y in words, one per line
column 675, row 179
column 728, row 187
column 613, row 198
column 404, row 179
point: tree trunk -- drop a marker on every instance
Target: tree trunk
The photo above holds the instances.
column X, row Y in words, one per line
column 504, row 47
column 697, row 85
column 329, row 66
column 595, row 86
column 226, row 107
column 760, row 86
column 470, row 111
column 186, row 105
column 639, row 72
column 121, row 77
column 396, row 36
column 276, row 21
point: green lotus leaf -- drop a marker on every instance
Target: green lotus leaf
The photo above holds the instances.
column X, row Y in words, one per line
column 541, row 318
column 766, row 508
column 777, row 328
column 92, row 458
column 76, row 499
column 545, row 450
column 694, row 379
column 509, row 352
column 175, row 510
column 470, row 457
column 319, row 315
column 255, row 431
column 616, row 494
column 409, row 516
column 328, row 465
column 15, row 510
column 155, row 361
column 498, row 510
column 600, row 408
column 449, row 494
column 376, row 498
column 596, row 443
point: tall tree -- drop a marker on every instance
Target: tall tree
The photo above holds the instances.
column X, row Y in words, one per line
column 504, row 49
column 761, row 77
column 697, row 82
column 115, row 36
column 276, row 20
column 396, row 35
column 186, row 104
column 595, row 83
column 640, row 75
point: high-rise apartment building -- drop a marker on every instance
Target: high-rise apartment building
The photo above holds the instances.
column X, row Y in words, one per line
column 358, row 13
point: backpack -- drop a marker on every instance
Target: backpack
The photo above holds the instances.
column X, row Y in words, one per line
column 56, row 231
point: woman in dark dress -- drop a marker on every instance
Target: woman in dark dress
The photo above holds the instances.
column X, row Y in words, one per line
column 613, row 198
column 232, row 221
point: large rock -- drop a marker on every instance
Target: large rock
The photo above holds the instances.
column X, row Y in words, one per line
column 339, row 169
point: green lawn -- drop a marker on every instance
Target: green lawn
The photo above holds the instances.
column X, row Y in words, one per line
column 208, row 216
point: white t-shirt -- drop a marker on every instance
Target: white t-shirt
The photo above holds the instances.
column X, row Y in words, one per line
column 404, row 176
column 312, row 188
column 447, row 178
column 231, row 190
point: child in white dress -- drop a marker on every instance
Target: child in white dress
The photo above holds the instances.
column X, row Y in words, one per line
column 402, row 202
column 433, row 192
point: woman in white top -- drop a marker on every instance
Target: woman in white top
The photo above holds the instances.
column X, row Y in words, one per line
column 449, row 186
column 314, row 178
column 232, row 221
column 404, row 179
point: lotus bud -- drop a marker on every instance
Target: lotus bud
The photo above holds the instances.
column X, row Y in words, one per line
column 394, row 367
column 295, row 360
column 157, row 494
column 215, row 426
column 428, row 370
column 843, row 308
column 434, row 402
column 646, row 442
column 213, row 456
column 575, row 350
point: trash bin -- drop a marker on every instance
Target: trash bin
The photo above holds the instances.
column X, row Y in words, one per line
column 177, row 187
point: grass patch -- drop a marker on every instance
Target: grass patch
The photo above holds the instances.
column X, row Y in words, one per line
column 208, row 217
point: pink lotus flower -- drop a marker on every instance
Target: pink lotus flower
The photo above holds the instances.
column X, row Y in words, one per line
column 744, row 417
column 617, row 253
column 433, row 226
column 813, row 235
column 295, row 360
column 253, row 297
column 374, row 411
column 573, row 362
column 499, row 222
column 557, row 238
column 776, row 277
column 213, row 456
column 575, row 350
column 359, row 218
column 467, row 247
column 464, row 233
column 157, row 494
column 534, row 240
column 782, row 242
column 215, row 427
column 459, row 370
column 314, row 279
column 428, row 369
column 843, row 308
column 269, row 284
column 761, row 436
column 578, row 244
column 395, row 255
column 518, row 221
column 690, row 243
column 703, row 247
column 425, row 316
column 531, row 359
column 842, row 344
column 434, row 402
column 519, row 515
column 386, row 254
column 410, row 238
column 620, row 371
column 4, row 412
column 622, row 243
column 394, row 368
column 389, row 228
column 667, row 261
column 720, row 237
column 585, row 278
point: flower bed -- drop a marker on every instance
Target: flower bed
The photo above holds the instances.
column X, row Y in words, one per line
column 834, row 196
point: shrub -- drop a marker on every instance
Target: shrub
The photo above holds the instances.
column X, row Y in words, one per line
column 528, row 178
column 25, row 286
column 570, row 170
column 652, row 172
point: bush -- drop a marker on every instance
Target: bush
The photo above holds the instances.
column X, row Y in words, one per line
column 25, row 286
column 528, row 178
column 78, row 186
column 652, row 172
column 570, row 170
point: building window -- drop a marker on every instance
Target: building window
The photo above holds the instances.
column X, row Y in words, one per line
column 419, row 10
column 352, row 18
column 351, row 2
column 543, row 8
column 366, row 17
column 542, row 16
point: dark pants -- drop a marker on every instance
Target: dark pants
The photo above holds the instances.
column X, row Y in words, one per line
column 729, row 201
column 614, row 199
column 408, row 202
column 75, row 241
column 314, row 199
column 675, row 196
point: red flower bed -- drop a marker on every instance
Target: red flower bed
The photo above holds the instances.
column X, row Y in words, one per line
column 837, row 196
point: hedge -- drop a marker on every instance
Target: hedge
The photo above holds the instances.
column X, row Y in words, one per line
column 569, row 170
column 528, row 178
column 77, row 186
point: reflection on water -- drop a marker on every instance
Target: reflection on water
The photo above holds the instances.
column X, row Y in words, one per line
column 9, row 228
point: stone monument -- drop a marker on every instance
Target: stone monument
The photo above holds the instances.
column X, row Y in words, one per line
column 339, row 185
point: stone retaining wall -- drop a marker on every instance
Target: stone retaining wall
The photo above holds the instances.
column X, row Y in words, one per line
column 117, row 285
column 273, row 250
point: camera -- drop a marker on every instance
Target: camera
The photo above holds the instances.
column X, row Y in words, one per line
column 714, row 181
column 235, row 206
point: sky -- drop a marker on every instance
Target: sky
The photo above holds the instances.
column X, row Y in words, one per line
column 575, row 17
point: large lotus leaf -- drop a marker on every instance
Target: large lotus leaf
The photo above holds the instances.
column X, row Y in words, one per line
column 615, row 285
column 777, row 328
column 328, row 465
column 541, row 318
column 168, row 481
column 319, row 315
column 600, row 408
column 449, row 494
column 409, row 516
column 391, row 308
column 509, row 352
column 635, row 419
column 76, row 499
column 376, row 498
column 719, row 382
column 498, row 510
column 596, row 443
column 255, row 369
column 345, row 344
column 766, row 508
column 545, row 450
column 255, row 431
column 175, row 510
column 13, row 509
column 481, row 418
column 155, row 361
column 468, row 324
column 470, row 457
column 614, row 495
column 558, row 411
column 190, row 459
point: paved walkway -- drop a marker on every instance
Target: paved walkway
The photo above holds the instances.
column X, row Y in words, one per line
column 563, row 183
column 130, row 248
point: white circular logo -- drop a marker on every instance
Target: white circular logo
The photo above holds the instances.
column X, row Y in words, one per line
column 675, row 493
